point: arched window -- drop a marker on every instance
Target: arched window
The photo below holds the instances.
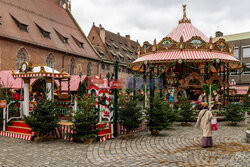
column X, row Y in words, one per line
column 71, row 67
column 50, row 60
column 21, row 57
column 89, row 69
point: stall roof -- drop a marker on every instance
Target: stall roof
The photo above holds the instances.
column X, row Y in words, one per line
column 7, row 80
column 74, row 83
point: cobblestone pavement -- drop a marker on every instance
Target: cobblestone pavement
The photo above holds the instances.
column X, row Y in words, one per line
column 178, row 146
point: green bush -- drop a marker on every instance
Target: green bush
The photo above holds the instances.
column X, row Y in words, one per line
column 234, row 113
column 161, row 116
column 129, row 114
column 185, row 110
column 85, row 119
column 43, row 119
column 248, row 128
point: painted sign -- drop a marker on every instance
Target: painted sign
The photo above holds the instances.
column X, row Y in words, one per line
column 3, row 103
column 117, row 85
column 97, row 81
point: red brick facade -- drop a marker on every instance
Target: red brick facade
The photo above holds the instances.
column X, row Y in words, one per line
column 36, row 48
column 111, row 47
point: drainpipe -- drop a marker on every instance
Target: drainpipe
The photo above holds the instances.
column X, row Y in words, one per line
column 63, row 59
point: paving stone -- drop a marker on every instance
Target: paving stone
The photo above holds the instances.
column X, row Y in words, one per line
column 178, row 146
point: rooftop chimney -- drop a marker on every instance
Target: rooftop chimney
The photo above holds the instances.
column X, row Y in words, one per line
column 218, row 34
column 128, row 40
column 102, row 33
column 65, row 4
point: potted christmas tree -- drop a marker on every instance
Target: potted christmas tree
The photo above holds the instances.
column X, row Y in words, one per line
column 160, row 116
column 130, row 116
column 186, row 112
column 85, row 120
column 43, row 119
column 234, row 113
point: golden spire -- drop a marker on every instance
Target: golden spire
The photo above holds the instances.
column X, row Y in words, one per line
column 184, row 18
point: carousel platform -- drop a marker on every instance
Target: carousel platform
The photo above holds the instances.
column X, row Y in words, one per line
column 18, row 129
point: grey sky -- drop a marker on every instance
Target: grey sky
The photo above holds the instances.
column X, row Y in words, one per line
column 145, row 20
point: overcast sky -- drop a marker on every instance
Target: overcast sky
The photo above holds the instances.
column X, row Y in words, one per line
column 145, row 20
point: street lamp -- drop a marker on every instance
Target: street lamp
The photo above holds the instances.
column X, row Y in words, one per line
column 108, row 77
column 80, row 88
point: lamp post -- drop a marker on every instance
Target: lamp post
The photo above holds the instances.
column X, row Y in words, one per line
column 80, row 88
column 108, row 77
column 116, row 66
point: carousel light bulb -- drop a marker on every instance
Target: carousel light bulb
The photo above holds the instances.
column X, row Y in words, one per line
column 145, row 62
column 179, row 61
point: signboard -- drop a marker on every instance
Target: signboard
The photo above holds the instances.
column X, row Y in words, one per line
column 97, row 81
column 116, row 85
column 3, row 103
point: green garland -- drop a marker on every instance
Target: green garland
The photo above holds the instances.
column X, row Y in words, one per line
column 197, row 67
column 190, row 66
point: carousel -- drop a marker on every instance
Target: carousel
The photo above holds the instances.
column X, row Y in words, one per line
column 188, row 63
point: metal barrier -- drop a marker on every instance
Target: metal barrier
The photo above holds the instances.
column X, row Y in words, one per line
column 8, row 116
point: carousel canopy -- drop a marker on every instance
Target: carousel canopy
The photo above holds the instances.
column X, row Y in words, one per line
column 38, row 71
column 186, row 43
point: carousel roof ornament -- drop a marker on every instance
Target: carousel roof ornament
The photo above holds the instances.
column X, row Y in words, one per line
column 184, row 18
column 187, row 43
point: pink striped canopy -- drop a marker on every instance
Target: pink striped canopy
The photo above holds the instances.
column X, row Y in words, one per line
column 187, row 30
column 169, row 56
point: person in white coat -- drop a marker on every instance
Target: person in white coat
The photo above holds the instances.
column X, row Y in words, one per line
column 204, row 120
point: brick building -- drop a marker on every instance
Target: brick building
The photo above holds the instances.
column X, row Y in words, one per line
column 44, row 32
column 241, row 44
column 113, row 46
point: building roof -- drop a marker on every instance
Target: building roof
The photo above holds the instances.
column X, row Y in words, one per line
column 50, row 17
column 234, row 37
column 187, row 31
column 117, row 44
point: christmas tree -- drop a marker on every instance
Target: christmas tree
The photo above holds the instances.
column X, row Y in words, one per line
column 130, row 114
column 160, row 116
column 234, row 113
column 43, row 119
column 185, row 110
column 85, row 119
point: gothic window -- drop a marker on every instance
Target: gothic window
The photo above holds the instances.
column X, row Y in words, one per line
column 89, row 69
column 21, row 57
column 103, row 66
column 50, row 60
column 71, row 68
